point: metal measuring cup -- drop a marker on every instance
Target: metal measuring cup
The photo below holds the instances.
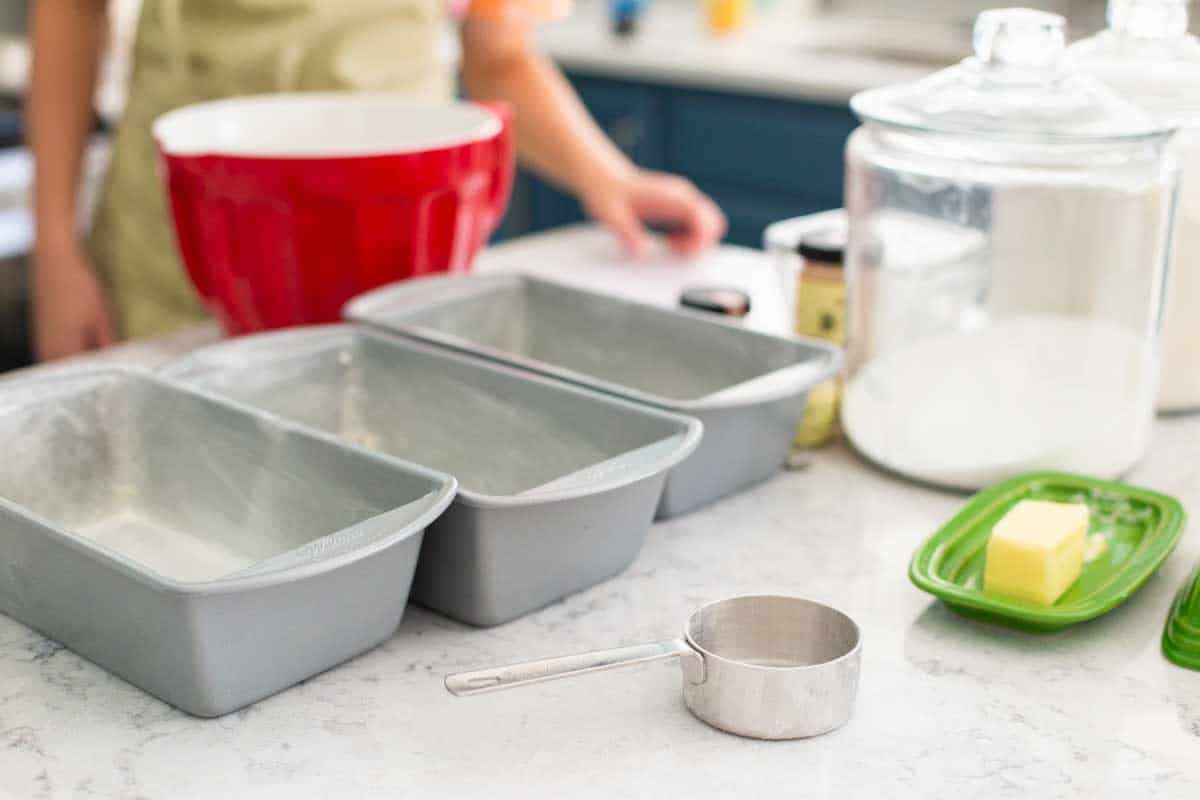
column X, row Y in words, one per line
column 762, row 666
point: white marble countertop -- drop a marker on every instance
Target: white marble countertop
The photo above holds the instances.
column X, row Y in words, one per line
column 789, row 58
column 948, row 707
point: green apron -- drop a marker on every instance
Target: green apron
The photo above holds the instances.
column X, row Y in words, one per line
column 188, row 51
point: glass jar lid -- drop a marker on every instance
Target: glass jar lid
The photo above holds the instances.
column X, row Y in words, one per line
column 1148, row 56
column 1017, row 86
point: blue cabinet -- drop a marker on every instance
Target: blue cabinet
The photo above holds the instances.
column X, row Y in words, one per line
column 762, row 159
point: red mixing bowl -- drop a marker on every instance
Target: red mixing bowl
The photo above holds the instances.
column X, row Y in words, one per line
column 286, row 206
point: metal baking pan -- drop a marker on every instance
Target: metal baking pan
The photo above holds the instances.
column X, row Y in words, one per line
column 747, row 388
column 557, row 485
column 206, row 554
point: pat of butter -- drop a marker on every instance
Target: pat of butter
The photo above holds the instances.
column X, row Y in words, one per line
column 1035, row 552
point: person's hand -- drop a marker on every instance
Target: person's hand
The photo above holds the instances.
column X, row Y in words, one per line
column 70, row 311
column 637, row 198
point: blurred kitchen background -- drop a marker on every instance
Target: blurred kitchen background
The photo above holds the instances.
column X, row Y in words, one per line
column 758, row 119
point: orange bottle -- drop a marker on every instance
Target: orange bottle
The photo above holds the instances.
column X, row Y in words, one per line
column 726, row 16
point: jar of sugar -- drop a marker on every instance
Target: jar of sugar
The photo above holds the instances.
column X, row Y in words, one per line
column 1148, row 56
column 1008, row 225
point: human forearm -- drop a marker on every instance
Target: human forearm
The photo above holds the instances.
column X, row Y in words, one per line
column 67, row 36
column 558, row 138
column 70, row 313
column 555, row 134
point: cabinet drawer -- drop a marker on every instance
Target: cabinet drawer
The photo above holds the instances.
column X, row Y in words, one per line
column 757, row 143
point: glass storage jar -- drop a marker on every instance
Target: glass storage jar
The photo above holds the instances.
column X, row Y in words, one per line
column 1008, row 227
column 1147, row 55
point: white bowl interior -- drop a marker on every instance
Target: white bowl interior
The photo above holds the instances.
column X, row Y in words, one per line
column 321, row 125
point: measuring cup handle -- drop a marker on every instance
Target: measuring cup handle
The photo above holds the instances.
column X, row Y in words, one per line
column 489, row 680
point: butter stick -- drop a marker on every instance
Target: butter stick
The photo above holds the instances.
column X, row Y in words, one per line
column 1035, row 552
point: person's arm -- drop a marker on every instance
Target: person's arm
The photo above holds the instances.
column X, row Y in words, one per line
column 70, row 312
column 558, row 138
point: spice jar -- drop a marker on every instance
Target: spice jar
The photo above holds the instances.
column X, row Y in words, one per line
column 820, row 313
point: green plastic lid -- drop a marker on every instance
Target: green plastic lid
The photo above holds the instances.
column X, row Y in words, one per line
column 1181, row 637
column 1141, row 527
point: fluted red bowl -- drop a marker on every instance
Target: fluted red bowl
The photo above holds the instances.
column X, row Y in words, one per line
column 286, row 206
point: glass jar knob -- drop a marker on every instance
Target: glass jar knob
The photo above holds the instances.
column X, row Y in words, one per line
column 1148, row 19
column 1019, row 39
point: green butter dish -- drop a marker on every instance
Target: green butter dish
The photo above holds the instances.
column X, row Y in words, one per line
column 1141, row 528
column 1181, row 637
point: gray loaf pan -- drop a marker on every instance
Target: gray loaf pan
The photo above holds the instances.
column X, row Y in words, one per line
column 557, row 485
column 209, row 555
column 747, row 388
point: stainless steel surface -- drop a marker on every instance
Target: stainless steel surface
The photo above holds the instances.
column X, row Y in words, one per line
column 746, row 387
column 558, row 485
column 208, row 555
column 761, row 666
column 489, row 680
